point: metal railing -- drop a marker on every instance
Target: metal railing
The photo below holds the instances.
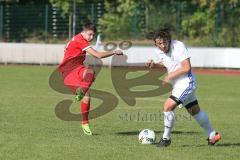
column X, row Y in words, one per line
column 23, row 23
column 49, row 24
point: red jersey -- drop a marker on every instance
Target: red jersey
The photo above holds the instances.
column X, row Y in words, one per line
column 74, row 54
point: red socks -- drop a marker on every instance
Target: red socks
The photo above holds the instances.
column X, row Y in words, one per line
column 85, row 110
column 87, row 82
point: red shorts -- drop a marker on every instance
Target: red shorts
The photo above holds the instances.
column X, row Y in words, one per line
column 74, row 79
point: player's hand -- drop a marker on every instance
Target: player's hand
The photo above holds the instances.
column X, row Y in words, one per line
column 150, row 63
column 166, row 80
column 161, row 62
column 118, row 52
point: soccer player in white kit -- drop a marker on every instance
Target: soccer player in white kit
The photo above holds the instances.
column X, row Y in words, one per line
column 173, row 55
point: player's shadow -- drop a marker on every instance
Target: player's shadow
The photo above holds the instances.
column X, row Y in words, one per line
column 130, row 133
column 185, row 132
column 216, row 145
column 95, row 134
column 228, row 145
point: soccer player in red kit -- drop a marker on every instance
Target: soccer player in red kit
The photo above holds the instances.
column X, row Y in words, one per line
column 78, row 77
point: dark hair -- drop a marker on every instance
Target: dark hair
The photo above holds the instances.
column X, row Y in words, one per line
column 162, row 34
column 89, row 26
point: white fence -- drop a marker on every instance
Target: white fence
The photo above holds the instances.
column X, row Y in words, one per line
column 135, row 56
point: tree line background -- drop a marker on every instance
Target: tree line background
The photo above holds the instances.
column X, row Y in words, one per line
column 197, row 22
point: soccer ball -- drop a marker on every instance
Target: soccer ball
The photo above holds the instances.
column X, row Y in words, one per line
column 146, row 136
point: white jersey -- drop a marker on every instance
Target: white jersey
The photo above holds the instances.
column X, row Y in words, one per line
column 172, row 61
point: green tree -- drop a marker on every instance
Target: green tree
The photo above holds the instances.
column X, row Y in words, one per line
column 63, row 5
column 121, row 19
column 132, row 19
column 213, row 23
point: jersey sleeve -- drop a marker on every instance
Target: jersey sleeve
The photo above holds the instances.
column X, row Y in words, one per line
column 82, row 43
column 157, row 57
column 86, row 47
column 183, row 52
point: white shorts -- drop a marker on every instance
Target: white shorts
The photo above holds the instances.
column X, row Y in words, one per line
column 185, row 94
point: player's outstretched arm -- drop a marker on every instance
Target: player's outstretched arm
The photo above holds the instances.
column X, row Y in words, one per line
column 103, row 54
column 184, row 69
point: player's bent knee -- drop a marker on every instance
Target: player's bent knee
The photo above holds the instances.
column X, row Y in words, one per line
column 193, row 108
column 169, row 105
column 87, row 80
column 86, row 99
column 88, row 76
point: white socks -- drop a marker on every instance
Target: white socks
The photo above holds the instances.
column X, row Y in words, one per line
column 201, row 118
column 169, row 118
column 203, row 121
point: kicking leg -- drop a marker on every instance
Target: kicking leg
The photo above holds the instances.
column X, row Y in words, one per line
column 87, row 80
column 202, row 119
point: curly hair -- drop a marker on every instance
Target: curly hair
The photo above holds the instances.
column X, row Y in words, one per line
column 162, row 34
column 89, row 26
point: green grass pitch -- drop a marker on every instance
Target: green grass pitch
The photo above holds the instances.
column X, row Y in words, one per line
column 29, row 128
